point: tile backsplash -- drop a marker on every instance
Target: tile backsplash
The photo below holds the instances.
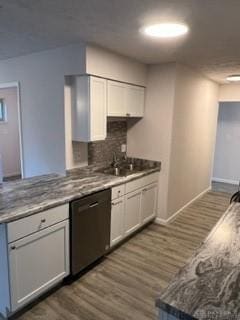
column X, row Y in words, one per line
column 101, row 152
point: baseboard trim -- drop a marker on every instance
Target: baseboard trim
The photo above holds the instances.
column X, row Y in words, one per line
column 235, row 182
column 173, row 217
column 161, row 221
column 11, row 175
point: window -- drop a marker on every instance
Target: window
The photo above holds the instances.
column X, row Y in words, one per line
column 3, row 116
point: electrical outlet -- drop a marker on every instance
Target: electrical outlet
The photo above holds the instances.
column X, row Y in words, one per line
column 123, row 148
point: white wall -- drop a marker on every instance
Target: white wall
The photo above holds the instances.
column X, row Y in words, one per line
column 41, row 77
column 9, row 134
column 229, row 92
column 103, row 63
column 193, row 137
column 150, row 138
column 179, row 129
column 227, row 153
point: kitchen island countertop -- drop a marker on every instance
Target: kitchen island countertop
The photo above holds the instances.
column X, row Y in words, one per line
column 208, row 287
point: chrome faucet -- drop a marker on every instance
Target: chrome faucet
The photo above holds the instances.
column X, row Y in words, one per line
column 115, row 161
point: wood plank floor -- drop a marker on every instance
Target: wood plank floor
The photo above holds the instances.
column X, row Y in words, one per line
column 224, row 187
column 126, row 284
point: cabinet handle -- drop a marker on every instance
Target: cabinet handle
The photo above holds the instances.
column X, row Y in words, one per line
column 115, row 203
column 128, row 114
column 13, row 247
column 93, row 205
column 43, row 220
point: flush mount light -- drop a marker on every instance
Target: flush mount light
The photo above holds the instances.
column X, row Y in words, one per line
column 165, row 30
column 234, row 78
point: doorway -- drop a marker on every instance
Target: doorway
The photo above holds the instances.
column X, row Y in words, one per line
column 11, row 161
column 226, row 171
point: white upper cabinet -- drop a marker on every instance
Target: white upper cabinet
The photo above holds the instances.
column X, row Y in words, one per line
column 93, row 99
column 116, row 99
column 89, row 112
column 124, row 100
column 98, row 109
column 135, row 101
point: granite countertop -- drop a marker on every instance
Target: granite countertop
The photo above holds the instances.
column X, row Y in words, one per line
column 28, row 196
column 208, row 287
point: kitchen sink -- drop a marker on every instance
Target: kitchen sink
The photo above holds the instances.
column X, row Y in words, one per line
column 119, row 172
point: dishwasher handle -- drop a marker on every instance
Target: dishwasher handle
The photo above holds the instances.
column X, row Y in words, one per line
column 90, row 201
column 94, row 204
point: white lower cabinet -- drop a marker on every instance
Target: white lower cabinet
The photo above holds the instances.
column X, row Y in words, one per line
column 132, row 217
column 135, row 207
column 117, row 218
column 37, row 262
column 34, row 256
column 149, row 202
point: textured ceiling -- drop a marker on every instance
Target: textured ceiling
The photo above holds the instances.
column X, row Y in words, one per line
column 212, row 45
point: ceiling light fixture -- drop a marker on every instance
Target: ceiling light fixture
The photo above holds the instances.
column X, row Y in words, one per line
column 165, row 30
column 233, row 78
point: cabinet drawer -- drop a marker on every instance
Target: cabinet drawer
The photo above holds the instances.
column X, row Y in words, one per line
column 23, row 227
column 118, row 191
column 139, row 183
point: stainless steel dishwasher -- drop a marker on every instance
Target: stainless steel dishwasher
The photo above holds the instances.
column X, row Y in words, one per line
column 90, row 219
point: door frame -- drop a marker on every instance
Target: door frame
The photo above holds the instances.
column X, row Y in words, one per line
column 16, row 84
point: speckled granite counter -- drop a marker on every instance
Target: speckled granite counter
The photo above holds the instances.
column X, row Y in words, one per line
column 25, row 197
column 208, row 287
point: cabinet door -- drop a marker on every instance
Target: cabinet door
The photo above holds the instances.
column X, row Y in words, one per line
column 149, row 203
column 132, row 217
column 117, row 220
column 116, row 99
column 38, row 262
column 98, row 109
column 135, row 101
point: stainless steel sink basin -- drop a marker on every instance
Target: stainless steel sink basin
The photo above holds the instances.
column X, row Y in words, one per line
column 119, row 172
